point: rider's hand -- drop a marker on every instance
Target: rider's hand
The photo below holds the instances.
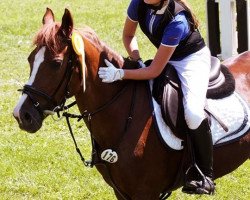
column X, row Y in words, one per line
column 110, row 73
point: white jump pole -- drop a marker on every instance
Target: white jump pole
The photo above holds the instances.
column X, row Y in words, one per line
column 224, row 19
column 229, row 42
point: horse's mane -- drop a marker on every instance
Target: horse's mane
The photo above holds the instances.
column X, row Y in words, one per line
column 47, row 36
column 89, row 34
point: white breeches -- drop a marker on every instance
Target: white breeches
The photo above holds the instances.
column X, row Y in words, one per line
column 193, row 72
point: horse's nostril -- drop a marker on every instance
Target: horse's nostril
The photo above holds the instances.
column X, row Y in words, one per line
column 28, row 118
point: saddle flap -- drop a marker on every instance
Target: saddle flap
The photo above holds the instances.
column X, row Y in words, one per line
column 168, row 94
column 170, row 103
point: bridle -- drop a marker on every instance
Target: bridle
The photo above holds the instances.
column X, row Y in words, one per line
column 31, row 91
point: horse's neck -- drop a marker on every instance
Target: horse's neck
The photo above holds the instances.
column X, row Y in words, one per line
column 108, row 124
column 95, row 56
column 107, row 110
column 112, row 105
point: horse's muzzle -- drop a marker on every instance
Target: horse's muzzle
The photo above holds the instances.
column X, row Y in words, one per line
column 29, row 120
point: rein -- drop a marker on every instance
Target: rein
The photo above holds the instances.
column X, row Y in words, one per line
column 30, row 91
column 88, row 115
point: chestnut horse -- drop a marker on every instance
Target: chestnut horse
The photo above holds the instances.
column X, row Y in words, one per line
column 118, row 115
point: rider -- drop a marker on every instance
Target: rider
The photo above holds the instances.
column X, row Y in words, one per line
column 172, row 28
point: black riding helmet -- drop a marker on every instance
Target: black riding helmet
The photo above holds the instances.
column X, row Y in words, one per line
column 155, row 8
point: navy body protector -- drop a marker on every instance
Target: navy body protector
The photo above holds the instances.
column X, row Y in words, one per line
column 191, row 44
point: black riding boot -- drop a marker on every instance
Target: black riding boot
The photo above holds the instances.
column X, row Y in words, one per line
column 201, row 140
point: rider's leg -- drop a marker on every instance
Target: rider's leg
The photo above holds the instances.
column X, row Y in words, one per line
column 193, row 72
column 203, row 152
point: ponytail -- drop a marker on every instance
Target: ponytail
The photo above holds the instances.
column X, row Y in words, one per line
column 192, row 18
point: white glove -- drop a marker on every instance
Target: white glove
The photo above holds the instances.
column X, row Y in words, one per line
column 110, row 73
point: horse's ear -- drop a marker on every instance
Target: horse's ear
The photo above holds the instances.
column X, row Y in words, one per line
column 67, row 24
column 48, row 16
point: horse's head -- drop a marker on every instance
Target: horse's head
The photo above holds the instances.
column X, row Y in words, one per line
column 56, row 73
column 52, row 72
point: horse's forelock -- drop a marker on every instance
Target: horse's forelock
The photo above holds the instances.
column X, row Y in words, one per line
column 47, row 37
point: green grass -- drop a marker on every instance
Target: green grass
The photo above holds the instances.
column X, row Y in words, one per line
column 45, row 165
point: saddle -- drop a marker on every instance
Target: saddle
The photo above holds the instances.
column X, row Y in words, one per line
column 168, row 94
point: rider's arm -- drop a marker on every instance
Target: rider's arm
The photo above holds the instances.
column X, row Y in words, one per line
column 159, row 62
column 129, row 39
column 173, row 34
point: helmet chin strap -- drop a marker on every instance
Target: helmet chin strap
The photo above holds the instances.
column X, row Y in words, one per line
column 156, row 8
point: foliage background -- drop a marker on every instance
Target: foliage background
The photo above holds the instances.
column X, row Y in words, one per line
column 45, row 165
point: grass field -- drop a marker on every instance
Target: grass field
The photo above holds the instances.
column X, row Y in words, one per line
column 45, row 165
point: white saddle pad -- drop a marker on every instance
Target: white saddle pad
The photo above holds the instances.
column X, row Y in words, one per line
column 233, row 111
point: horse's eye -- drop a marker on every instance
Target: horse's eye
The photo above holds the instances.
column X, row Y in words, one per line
column 57, row 63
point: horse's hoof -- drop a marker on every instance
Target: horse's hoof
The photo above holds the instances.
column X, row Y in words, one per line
column 198, row 191
column 199, row 187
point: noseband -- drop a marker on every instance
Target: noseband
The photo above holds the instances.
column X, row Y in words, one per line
column 32, row 91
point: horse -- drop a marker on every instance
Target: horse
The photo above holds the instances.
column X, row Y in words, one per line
column 128, row 152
